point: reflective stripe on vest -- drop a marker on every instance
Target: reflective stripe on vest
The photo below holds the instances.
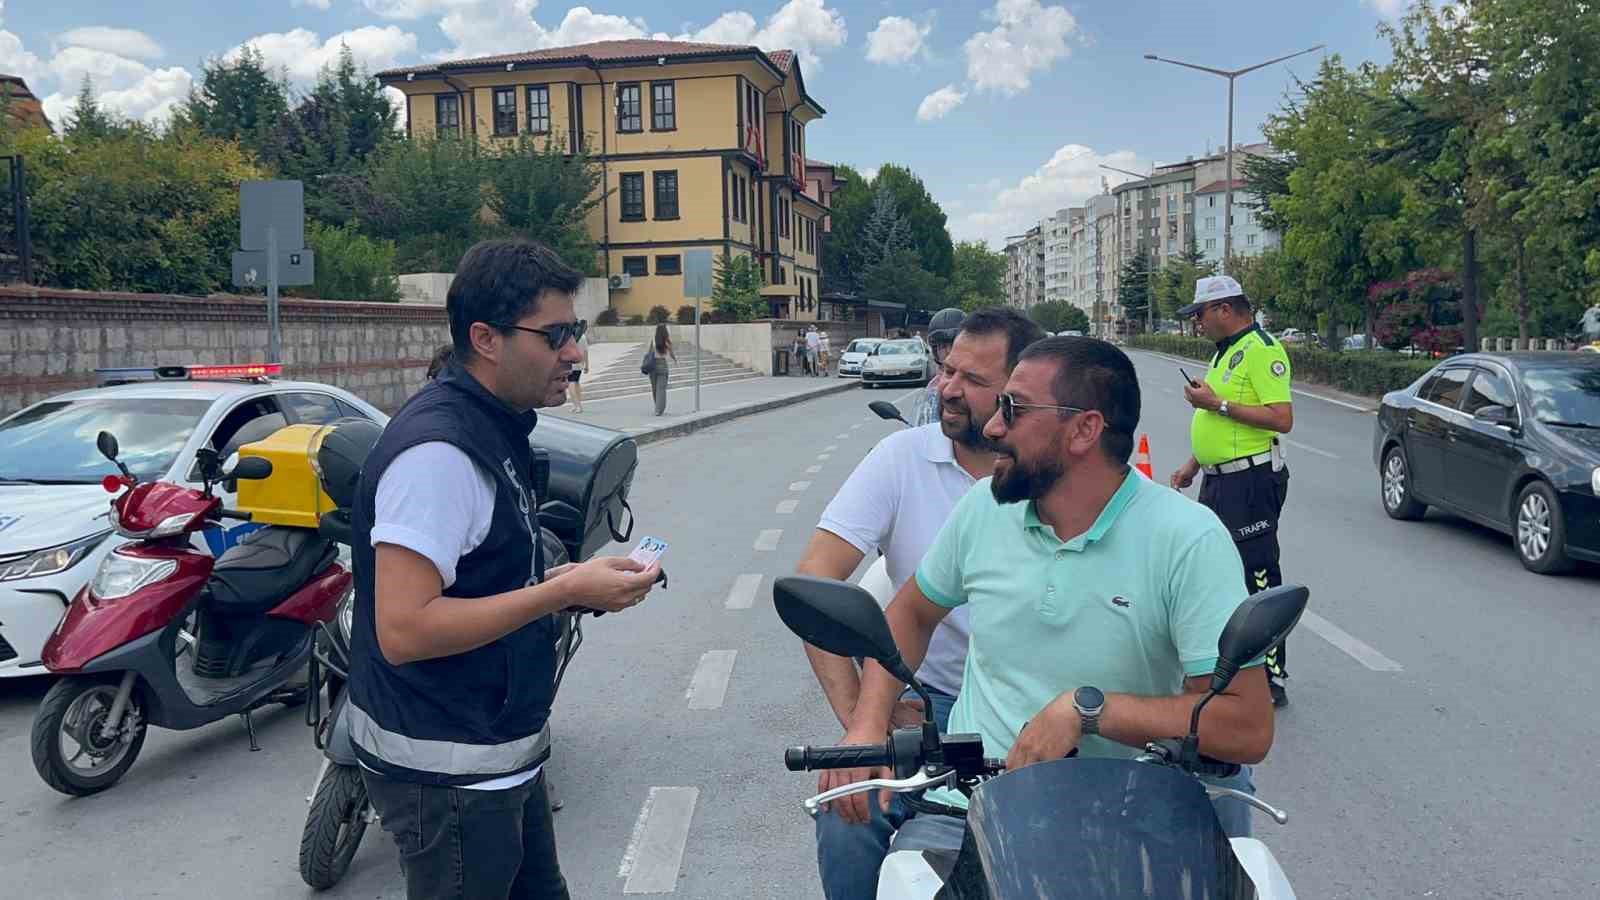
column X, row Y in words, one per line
column 445, row 757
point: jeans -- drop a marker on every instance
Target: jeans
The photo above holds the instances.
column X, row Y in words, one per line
column 460, row 844
column 848, row 856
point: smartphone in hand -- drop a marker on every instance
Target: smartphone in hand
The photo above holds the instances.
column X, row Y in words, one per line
column 1191, row 381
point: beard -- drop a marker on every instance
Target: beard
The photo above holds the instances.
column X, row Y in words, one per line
column 1024, row 481
column 967, row 430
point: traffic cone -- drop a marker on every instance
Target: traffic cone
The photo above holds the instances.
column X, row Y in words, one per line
column 1142, row 461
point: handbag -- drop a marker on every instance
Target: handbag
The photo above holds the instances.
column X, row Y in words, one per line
column 647, row 366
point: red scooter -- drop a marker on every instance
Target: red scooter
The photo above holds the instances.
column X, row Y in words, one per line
column 167, row 635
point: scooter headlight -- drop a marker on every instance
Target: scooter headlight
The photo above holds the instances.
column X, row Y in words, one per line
column 120, row 576
column 347, row 616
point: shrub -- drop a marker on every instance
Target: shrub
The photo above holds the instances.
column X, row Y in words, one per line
column 636, row 319
column 1368, row 374
column 350, row 266
column 608, row 316
column 685, row 315
column 658, row 315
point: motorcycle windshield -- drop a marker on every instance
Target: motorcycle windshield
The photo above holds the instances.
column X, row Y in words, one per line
column 1092, row 829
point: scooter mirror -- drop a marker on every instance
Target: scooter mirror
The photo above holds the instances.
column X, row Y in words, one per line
column 837, row 617
column 887, row 411
column 1261, row 622
column 251, row 468
column 107, row 443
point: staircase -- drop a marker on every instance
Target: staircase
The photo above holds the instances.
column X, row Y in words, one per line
column 622, row 378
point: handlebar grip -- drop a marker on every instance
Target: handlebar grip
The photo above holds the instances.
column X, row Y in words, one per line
column 235, row 514
column 1215, row 768
column 856, row 756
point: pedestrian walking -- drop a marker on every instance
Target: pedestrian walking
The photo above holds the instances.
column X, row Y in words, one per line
column 453, row 649
column 1240, row 408
column 797, row 352
column 826, row 354
column 578, row 371
column 660, row 351
column 814, row 349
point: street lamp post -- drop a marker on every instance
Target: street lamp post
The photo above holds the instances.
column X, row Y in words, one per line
column 1231, row 75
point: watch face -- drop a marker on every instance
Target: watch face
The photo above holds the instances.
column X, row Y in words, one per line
column 1089, row 699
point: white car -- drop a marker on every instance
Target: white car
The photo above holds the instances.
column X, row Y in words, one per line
column 906, row 361
column 854, row 355
column 53, row 509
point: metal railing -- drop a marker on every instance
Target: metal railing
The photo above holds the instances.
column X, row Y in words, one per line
column 16, row 244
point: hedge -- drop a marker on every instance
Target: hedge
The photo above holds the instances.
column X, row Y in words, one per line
column 1370, row 374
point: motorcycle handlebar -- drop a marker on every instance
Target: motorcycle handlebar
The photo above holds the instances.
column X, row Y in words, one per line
column 856, row 756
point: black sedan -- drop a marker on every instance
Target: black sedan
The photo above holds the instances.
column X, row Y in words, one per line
column 1508, row 440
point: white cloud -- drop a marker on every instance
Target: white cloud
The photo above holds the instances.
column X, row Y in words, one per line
column 302, row 53
column 107, row 70
column 1028, row 37
column 150, row 97
column 314, row 4
column 938, row 104
column 121, row 41
column 1389, row 9
column 737, row 27
column 808, row 27
column 413, row 9
column 896, row 40
column 16, row 60
column 489, row 27
column 1071, row 176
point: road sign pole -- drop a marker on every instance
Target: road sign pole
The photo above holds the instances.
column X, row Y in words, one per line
column 273, row 345
column 697, row 354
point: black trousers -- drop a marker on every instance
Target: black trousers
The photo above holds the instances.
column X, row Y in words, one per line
column 461, row 844
column 1249, row 504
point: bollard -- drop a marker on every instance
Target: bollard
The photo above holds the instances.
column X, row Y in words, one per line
column 1487, row 343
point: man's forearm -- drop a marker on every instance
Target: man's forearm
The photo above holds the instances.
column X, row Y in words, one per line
column 879, row 689
column 447, row 626
column 1229, row 731
column 1271, row 418
column 840, row 681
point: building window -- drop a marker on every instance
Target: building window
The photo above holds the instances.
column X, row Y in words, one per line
column 666, row 195
column 637, row 266
column 447, row 113
column 663, row 106
column 1250, row 240
column 505, row 111
column 1211, row 243
column 783, row 217
column 539, row 109
column 1211, row 202
column 669, row 265
column 633, row 197
column 1211, row 221
column 630, row 117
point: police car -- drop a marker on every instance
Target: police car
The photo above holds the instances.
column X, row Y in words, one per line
column 54, row 527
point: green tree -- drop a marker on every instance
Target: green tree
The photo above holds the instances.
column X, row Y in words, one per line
column 1134, row 288
column 886, row 232
column 332, row 132
column 542, row 193
column 1059, row 315
column 979, row 278
column 900, row 278
column 426, row 195
column 89, row 120
column 238, row 100
column 736, row 295
column 925, row 221
column 842, row 243
column 350, row 265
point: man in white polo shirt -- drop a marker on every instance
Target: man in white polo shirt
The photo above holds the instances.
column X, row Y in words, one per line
column 894, row 503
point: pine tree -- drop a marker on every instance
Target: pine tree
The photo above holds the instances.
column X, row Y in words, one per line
column 89, row 121
column 1133, row 289
column 886, row 233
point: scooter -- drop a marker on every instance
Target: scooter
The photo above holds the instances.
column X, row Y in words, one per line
column 1141, row 827
column 168, row 636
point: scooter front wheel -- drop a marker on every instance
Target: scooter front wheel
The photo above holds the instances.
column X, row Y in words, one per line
column 71, row 752
column 338, row 818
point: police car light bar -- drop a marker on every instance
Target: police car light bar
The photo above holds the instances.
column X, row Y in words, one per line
column 242, row 372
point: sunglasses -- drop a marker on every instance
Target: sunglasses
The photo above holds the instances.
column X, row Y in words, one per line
column 556, row 335
column 1009, row 407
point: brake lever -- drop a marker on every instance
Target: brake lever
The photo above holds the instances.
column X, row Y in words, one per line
column 920, row 781
column 1278, row 815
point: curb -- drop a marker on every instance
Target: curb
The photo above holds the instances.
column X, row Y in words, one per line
column 679, row 429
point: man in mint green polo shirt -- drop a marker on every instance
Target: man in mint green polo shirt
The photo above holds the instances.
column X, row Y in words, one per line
column 1078, row 573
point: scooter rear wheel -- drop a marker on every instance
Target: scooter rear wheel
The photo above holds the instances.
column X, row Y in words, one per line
column 334, row 827
column 69, row 752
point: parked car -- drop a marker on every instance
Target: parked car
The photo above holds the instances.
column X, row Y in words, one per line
column 54, row 529
column 906, row 361
column 1071, row 332
column 854, row 355
column 1292, row 336
column 1359, row 342
column 1511, row 441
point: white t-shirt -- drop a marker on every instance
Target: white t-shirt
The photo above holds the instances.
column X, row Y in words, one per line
column 812, row 341
column 437, row 486
column 895, row 502
column 824, row 340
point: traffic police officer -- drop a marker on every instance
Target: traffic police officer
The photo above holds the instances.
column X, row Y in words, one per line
column 1240, row 409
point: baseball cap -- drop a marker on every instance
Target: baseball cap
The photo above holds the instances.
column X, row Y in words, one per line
column 1209, row 290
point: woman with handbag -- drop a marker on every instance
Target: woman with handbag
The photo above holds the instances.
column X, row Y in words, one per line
column 655, row 365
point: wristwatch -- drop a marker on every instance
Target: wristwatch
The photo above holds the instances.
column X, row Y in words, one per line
column 1223, row 409
column 1089, row 701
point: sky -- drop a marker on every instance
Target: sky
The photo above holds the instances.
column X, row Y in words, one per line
column 1005, row 108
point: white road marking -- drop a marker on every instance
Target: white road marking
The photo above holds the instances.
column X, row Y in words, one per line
column 853, row 428
column 743, row 593
column 1308, row 448
column 799, row 486
column 786, row 507
column 709, row 686
column 1358, row 408
column 841, row 437
column 824, row 456
column 830, row 448
column 907, row 395
column 767, row 540
column 655, row 851
column 1353, row 646
column 812, row 470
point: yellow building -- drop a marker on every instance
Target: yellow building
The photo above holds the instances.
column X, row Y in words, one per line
column 701, row 145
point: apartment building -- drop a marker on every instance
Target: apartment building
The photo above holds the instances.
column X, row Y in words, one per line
column 701, row 145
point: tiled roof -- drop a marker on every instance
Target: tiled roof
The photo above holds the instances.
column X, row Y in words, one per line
column 599, row 51
column 1221, row 184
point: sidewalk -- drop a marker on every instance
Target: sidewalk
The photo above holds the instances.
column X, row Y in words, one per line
column 635, row 414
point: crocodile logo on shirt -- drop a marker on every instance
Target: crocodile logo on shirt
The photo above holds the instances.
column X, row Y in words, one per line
column 1121, row 601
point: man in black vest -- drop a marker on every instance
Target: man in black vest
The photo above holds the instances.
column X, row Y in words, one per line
column 453, row 655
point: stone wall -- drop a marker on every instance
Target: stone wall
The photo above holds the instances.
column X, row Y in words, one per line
column 748, row 344
column 52, row 340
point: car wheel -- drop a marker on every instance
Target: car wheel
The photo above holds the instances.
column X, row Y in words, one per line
column 1541, row 533
column 1396, row 487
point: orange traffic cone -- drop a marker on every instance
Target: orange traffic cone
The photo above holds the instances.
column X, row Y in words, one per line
column 1142, row 461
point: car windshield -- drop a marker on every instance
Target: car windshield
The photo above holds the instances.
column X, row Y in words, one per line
column 861, row 346
column 54, row 442
column 1565, row 396
column 899, row 348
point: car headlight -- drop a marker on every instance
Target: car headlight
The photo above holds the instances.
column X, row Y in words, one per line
column 120, row 576
column 51, row 560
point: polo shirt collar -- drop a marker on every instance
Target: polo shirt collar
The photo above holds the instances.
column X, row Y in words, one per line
column 937, row 448
column 1102, row 523
column 1225, row 343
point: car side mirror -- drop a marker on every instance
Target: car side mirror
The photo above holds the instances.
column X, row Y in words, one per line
column 1496, row 415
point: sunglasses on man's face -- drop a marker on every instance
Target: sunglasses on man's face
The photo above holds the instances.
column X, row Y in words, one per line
column 556, row 335
column 1009, row 407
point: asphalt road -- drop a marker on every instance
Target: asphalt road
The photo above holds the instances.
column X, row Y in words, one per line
column 1438, row 741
